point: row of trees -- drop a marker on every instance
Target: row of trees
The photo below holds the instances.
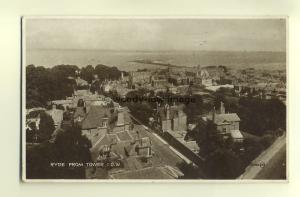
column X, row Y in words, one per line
column 104, row 72
column 258, row 116
column 224, row 159
column 262, row 119
column 46, row 84
column 142, row 110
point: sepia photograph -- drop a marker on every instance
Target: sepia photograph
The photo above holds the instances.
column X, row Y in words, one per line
column 154, row 99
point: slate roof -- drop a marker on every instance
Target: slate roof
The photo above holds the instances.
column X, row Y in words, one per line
column 181, row 137
column 34, row 112
column 79, row 112
column 225, row 118
column 236, row 134
column 96, row 113
column 127, row 118
column 123, row 147
column 61, row 102
column 124, row 136
column 95, row 116
column 57, row 115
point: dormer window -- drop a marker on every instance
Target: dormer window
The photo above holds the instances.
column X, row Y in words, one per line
column 104, row 124
column 224, row 130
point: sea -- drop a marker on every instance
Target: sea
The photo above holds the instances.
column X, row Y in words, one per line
column 124, row 59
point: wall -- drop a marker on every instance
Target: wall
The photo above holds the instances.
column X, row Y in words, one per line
column 182, row 122
column 229, row 127
column 183, row 149
column 175, row 124
column 94, row 134
column 166, row 125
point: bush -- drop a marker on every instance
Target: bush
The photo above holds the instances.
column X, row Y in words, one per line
column 46, row 127
column 224, row 164
column 267, row 140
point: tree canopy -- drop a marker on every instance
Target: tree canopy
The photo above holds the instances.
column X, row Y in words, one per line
column 46, row 84
column 69, row 146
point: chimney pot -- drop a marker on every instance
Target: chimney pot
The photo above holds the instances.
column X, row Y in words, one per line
column 222, row 108
column 214, row 114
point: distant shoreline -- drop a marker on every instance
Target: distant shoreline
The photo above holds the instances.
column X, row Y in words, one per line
column 152, row 51
column 126, row 60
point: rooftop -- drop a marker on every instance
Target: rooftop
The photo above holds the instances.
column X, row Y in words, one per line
column 95, row 116
column 162, row 154
column 225, row 118
column 181, row 137
column 79, row 112
column 236, row 134
column 56, row 114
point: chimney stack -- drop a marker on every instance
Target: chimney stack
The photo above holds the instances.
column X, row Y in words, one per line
column 214, row 115
column 157, row 107
column 120, row 120
column 167, row 112
column 222, row 108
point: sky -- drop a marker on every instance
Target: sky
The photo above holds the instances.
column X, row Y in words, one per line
column 156, row 34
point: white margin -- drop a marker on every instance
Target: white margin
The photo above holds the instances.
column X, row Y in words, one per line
column 23, row 97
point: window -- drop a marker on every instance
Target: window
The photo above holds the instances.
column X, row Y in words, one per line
column 224, row 130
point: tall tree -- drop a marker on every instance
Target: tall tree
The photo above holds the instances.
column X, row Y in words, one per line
column 87, row 73
column 69, row 146
column 224, row 164
column 46, row 126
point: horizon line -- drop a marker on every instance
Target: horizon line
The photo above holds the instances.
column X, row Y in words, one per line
column 159, row 50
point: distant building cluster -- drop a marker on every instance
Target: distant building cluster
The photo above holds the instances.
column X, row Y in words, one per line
column 264, row 84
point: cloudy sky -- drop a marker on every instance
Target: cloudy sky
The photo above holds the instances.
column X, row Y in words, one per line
column 156, row 34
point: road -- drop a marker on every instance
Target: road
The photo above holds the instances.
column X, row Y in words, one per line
column 170, row 155
column 160, row 148
column 270, row 164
